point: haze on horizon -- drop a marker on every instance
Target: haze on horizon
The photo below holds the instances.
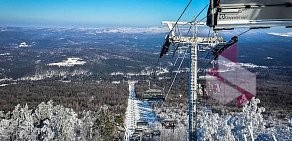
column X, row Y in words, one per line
column 94, row 13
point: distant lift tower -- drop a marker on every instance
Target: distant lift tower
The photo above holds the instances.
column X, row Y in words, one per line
column 186, row 33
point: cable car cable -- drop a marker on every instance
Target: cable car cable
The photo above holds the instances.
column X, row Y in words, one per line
column 180, row 16
column 195, row 18
column 176, row 74
column 167, row 43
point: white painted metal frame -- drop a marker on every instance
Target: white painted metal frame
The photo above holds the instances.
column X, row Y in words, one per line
column 192, row 41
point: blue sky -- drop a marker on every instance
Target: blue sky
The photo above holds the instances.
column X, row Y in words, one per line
column 94, row 13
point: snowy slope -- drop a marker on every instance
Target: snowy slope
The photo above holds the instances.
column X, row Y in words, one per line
column 137, row 110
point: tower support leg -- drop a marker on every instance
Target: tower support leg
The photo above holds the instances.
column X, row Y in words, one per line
column 193, row 91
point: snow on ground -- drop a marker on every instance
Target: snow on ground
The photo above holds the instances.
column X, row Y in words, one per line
column 117, row 73
column 69, row 62
column 142, row 73
column 3, row 85
column 23, row 45
column 146, row 113
column 162, row 71
column 5, row 82
column 6, row 79
column 116, row 82
column 145, row 72
column 5, row 54
column 56, row 73
column 233, row 65
column 250, row 65
column 269, row 58
column 131, row 118
column 137, row 110
column 288, row 34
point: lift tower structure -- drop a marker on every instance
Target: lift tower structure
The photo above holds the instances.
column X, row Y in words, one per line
column 180, row 38
column 223, row 15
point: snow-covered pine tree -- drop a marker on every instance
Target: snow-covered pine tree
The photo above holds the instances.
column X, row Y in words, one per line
column 48, row 122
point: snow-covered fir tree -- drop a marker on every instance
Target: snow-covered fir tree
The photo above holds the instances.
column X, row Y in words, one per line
column 49, row 122
column 248, row 125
